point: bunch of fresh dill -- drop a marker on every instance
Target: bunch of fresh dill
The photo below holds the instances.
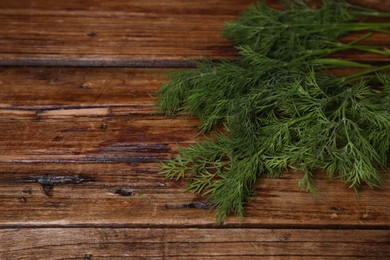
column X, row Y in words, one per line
column 277, row 107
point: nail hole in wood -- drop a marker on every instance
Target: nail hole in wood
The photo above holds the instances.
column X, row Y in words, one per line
column 126, row 192
column 194, row 205
column 91, row 34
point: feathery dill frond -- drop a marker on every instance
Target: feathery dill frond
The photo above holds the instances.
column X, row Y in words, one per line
column 279, row 110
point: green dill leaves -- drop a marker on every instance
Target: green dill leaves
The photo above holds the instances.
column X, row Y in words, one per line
column 277, row 108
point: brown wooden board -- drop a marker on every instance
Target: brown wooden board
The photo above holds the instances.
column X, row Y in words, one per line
column 125, row 243
column 80, row 147
column 91, row 134
column 50, row 89
column 131, row 194
column 124, row 33
column 94, row 32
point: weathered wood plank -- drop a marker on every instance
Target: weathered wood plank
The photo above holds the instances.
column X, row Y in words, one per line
column 79, row 148
column 95, row 33
column 132, row 194
column 99, row 146
column 105, row 139
column 56, row 243
column 122, row 33
column 59, row 88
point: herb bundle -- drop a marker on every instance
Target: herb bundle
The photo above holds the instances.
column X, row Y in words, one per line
column 278, row 108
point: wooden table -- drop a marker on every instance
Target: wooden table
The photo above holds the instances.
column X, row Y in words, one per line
column 80, row 145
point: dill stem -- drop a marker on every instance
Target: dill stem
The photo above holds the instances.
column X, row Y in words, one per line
column 369, row 13
column 366, row 72
column 364, row 11
column 361, row 38
column 367, row 48
column 338, row 63
column 363, row 26
column 350, row 27
column 299, row 119
column 357, row 26
column 343, row 47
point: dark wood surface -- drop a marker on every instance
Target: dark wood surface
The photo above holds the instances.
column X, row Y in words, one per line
column 153, row 243
column 94, row 32
column 150, row 33
column 80, row 146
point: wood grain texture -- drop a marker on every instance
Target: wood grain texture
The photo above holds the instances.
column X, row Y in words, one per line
column 173, row 243
column 124, row 33
column 118, row 33
column 55, row 89
column 133, row 195
column 80, row 147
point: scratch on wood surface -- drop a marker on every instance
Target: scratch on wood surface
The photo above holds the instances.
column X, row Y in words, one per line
column 48, row 181
column 194, row 205
column 125, row 192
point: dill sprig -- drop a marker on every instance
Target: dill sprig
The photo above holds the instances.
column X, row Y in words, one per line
column 276, row 109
